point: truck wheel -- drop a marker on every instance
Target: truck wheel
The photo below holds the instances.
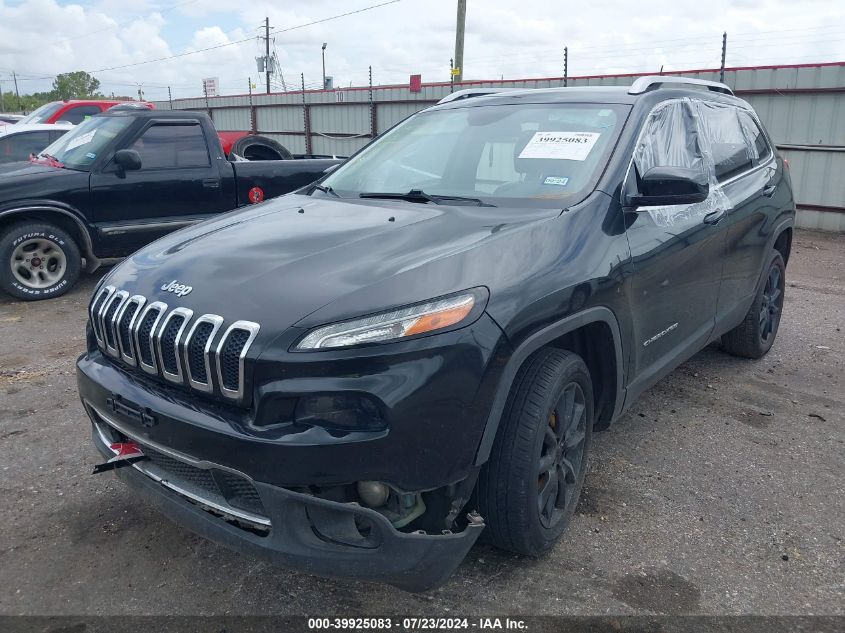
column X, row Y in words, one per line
column 754, row 337
column 37, row 261
column 528, row 490
column 254, row 147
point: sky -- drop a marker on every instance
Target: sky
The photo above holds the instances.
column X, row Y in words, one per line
column 116, row 40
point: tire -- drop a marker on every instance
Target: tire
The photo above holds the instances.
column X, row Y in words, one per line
column 754, row 337
column 254, row 147
column 54, row 253
column 511, row 487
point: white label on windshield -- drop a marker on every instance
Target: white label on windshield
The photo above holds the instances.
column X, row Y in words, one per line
column 560, row 145
column 556, row 180
column 82, row 139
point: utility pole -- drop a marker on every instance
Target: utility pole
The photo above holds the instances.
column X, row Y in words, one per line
column 459, row 40
column 17, row 94
column 724, row 52
column 252, row 127
column 565, row 66
column 140, row 93
column 324, row 65
column 2, row 102
column 452, row 74
column 267, row 51
column 170, row 97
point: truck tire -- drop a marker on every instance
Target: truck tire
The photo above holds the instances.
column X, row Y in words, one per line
column 754, row 337
column 254, row 147
column 543, row 440
column 37, row 261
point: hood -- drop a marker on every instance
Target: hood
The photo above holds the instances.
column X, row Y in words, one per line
column 38, row 182
column 278, row 262
column 24, row 169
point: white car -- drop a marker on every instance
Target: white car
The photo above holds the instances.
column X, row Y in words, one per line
column 18, row 141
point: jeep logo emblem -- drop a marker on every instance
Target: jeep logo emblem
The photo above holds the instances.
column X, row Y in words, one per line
column 180, row 290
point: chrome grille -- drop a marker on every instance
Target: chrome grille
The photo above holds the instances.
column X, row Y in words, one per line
column 171, row 344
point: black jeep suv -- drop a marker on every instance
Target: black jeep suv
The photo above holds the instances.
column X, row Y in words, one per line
column 359, row 378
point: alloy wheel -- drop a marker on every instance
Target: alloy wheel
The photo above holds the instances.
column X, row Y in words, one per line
column 562, row 456
column 38, row 263
column 771, row 305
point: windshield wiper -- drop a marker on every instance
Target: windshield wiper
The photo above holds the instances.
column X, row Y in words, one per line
column 55, row 162
column 325, row 189
column 418, row 195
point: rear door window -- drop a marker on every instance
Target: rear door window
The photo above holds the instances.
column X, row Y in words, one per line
column 757, row 140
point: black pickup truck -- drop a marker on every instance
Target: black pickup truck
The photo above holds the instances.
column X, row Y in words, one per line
column 117, row 182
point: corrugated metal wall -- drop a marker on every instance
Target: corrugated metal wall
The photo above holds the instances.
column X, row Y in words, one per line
column 802, row 106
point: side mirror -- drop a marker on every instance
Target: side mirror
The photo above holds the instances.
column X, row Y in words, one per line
column 127, row 159
column 671, row 185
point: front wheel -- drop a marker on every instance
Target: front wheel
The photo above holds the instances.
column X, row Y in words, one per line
column 528, row 490
column 38, row 261
column 754, row 337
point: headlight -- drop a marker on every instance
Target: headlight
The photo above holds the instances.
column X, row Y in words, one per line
column 417, row 319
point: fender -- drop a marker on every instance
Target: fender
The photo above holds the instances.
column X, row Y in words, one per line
column 530, row 345
column 87, row 245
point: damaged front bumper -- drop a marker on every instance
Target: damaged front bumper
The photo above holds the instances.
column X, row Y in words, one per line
column 301, row 531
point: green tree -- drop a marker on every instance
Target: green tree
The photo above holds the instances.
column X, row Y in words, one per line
column 76, row 85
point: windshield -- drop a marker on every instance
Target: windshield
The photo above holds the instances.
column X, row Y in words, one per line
column 80, row 147
column 543, row 155
column 40, row 115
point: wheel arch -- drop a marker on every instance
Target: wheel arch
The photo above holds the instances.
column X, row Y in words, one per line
column 594, row 335
column 783, row 242
column 62, row 218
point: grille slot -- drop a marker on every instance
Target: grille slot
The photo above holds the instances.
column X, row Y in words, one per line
column 168, row 340
column 108, row 320
column 125, row 323
column 96, row 309
column 147, row 325
column 168, row 344
column 230, row 357
column 198, row 351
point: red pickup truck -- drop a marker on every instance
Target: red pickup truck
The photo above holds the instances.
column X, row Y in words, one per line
column 73, row 110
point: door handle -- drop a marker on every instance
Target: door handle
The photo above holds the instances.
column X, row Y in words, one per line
column 211, row 183
column 769, row 191
column 714, row 217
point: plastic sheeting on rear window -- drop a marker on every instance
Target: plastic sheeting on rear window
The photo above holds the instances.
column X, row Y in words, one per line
column 676, row 137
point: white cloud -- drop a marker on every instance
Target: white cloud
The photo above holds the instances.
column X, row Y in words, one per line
column 45, row 37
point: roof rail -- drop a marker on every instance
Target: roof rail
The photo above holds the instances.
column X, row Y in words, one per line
column 649, row 82
column 468, row 93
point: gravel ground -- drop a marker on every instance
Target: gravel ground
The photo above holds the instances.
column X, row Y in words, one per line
column 720, row 492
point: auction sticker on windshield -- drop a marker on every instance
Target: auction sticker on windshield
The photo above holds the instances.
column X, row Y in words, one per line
column 560, row 145
column 82, row 139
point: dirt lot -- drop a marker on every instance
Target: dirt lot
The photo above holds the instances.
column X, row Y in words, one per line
column 720, row 492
